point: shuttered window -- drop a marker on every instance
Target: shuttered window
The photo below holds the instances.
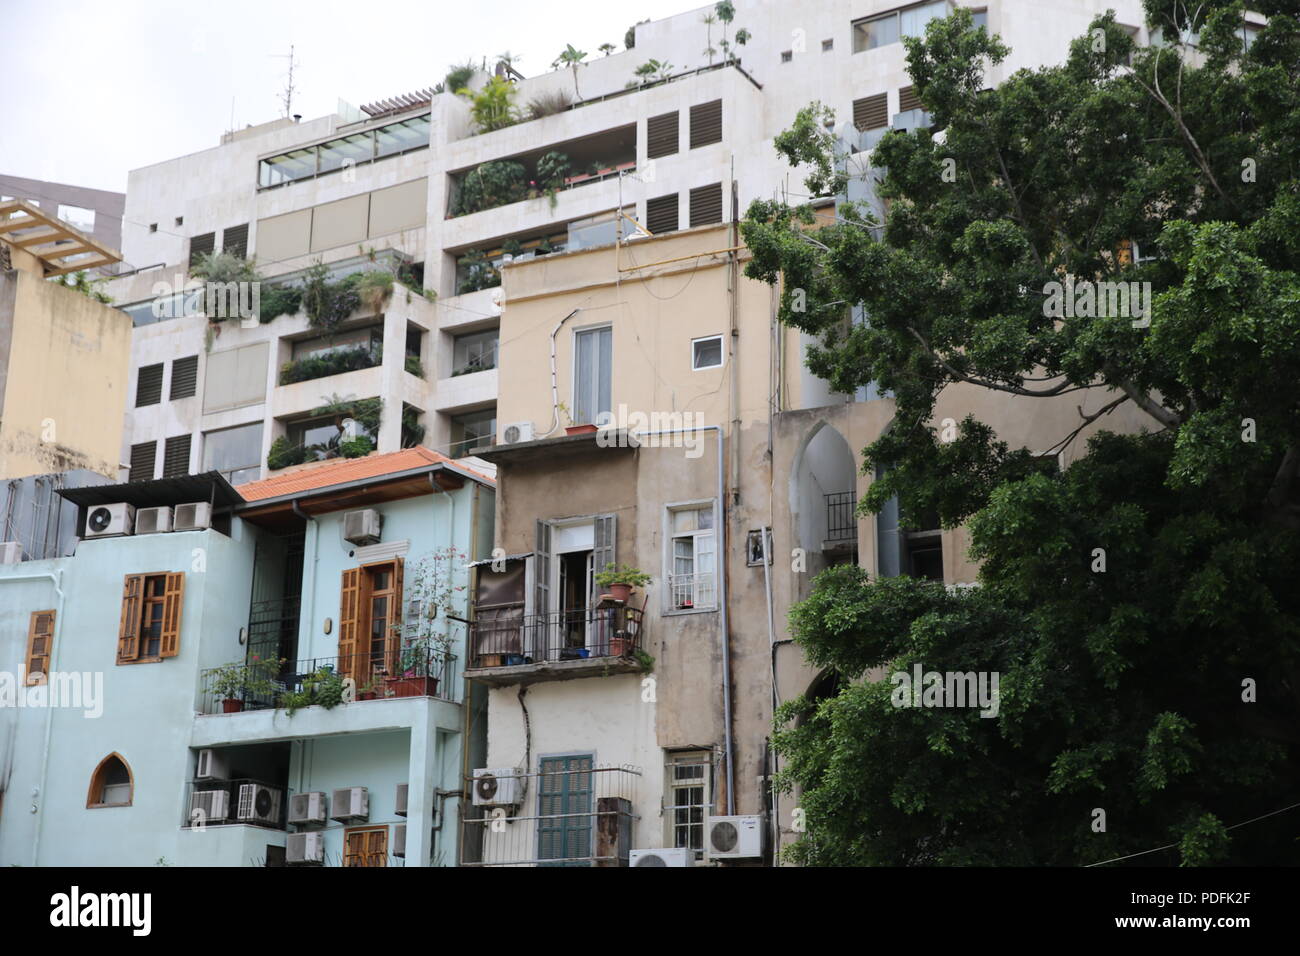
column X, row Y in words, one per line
column 706, row 205
column 871, row 112
column 661, row 214
column 564, row 821
column 370, row 621
column 201, row 245
column 661, row 135
column 176, row 457
column 185, row 377
column 150, row 623
column 142, row 461
column 40, row 638
column 706, row 124
column 604, row 552
column 365, row 846
column 908, row 100
column 234, row 239
column 148, row 385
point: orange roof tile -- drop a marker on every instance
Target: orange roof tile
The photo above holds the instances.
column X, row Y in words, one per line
column 345, row 470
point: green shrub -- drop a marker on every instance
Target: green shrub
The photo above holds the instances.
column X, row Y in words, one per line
column 279, row 300
column 489, row 185
column 357, row 447
column 283, row 454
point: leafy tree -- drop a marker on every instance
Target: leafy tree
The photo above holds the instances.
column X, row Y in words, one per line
column 1120, row 689
column 492, row 107
column 571, row 57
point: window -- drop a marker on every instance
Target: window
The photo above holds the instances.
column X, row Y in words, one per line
column 474, row 352
column 399, row 137
column 564, row 795
column 235, row 452
column 234, row 240
column 40, row 638
column 754, row 549
column 891, row 27
column 370, row 620
column 907, row 99
column 871, row 112
column 151, row 617
column 185, row 376
column 661, row 135
column 365, row 846
column 828, row 45
column 111, row 785
column 687, row 780
column 235, row 377
column 153, row 227
column 787, row 56
column 661, row 214
column 148, row 385
column 706, row 124
column 593, row 360
column 706, row 353
column 353, row 149
column 471, row 430
column 142, row 461
column 180, row 220
column 201, row 245
column 176, row 456
column 691, row 558
column 706, row 205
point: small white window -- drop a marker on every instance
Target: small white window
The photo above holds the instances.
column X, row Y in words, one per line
column 706, row 353
column 691, row 559
column 828, row 45
column 687, row 785
column 787, row 56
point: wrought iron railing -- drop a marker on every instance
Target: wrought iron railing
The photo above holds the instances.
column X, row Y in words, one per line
column 566, row 813
column 572, row 635
column 312, row 681
column 841, row 516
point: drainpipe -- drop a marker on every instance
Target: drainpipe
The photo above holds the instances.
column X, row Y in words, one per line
column 555, row 388
column 56, row 577
column 722, row 603
column 464, row 736
column 771, row 644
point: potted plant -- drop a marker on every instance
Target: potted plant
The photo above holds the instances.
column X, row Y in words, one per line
column 413, row 678
column 572, row 428
column 370, row 689
column 234, row 683
column 620, row 579
column 433, row 593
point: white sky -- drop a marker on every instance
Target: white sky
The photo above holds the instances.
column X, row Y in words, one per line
column 95, row 89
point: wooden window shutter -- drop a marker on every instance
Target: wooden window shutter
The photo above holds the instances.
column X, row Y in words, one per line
column 871, row 112
column 706, row 205
column 173, row 601
column 661, row 135
column 185, row 376
column 604, row 550
column 908, row 100
column 661, row 214
column 40, row 637
column 349, row 622
column 396, row 618
column 706, row 124
column 176, row 457
column 201, row 245
column 148, row 385
column 542, row 569
column 128, row 634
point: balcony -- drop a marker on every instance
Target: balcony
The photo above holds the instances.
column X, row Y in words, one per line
column 584, row 817
column 557, row 645
column 243, row 802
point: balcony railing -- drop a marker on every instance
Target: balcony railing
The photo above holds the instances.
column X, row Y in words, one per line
column 841, row 518
column 692, row 591
column 573, row 635
column 243, row 801
column 568, row 814
column 374, row 676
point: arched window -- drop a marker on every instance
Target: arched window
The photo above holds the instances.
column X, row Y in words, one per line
column 111, row 785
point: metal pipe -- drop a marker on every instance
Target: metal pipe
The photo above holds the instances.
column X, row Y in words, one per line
column 56, row 577
column 765, row 532
column 555, row 389
column 697, row 255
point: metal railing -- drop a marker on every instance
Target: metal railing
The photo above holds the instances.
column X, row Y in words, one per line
column 572, row 635
column 688, row 591
column 311, row 681
column 841, row 517
column 240, row 801
column 479, row 363
column 567, row 814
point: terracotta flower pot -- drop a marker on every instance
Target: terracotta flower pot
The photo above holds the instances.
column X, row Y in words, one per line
column 620, row 646
column 412, row 686
column 579, row 429
column 621, row 592
column 231, row 705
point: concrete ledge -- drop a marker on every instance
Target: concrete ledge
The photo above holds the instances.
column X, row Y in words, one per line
column 357, row 717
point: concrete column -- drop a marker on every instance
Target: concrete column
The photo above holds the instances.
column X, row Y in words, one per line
column 421, row 778
column 390, row 388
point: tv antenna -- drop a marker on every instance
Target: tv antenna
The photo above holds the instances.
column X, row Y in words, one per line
column 286, row 98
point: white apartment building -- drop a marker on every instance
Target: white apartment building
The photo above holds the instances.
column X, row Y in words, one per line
column 691, row 146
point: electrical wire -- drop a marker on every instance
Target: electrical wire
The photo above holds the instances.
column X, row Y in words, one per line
column 1169, row 846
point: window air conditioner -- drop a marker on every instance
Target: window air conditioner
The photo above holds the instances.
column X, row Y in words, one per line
column 195, row 516
column 516, row 432
column 350, row 803
column 733, row 838
column 667, row 856
column 307, row 807
column 212, row 766
column 258, row 804
column 153, row 520
column 304, row 849
column 104, row 521
column 208, row 806
column 362, row 527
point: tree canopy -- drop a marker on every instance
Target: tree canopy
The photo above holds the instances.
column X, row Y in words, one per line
column 1161, row 686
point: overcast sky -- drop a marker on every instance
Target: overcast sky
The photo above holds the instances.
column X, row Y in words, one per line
column 102, row 88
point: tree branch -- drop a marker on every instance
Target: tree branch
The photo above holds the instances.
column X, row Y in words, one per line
column 1153, row 408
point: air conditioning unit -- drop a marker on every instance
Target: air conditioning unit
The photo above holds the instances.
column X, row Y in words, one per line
column 401, row 799
column 104, row 521
column 667, row 856
column 196, row 516
column 212, row 766
column 153, row 520
column 258, row 804
column 362, row 527
column 733, row 838
column 497, row 786
column 208, row 806
column 307, row 807
column 304, row 849
column 350, row 803
column 399, row 840
column 516, row 432
column 11, row 552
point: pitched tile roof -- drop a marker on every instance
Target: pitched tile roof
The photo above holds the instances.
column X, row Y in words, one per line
column 344, row 470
